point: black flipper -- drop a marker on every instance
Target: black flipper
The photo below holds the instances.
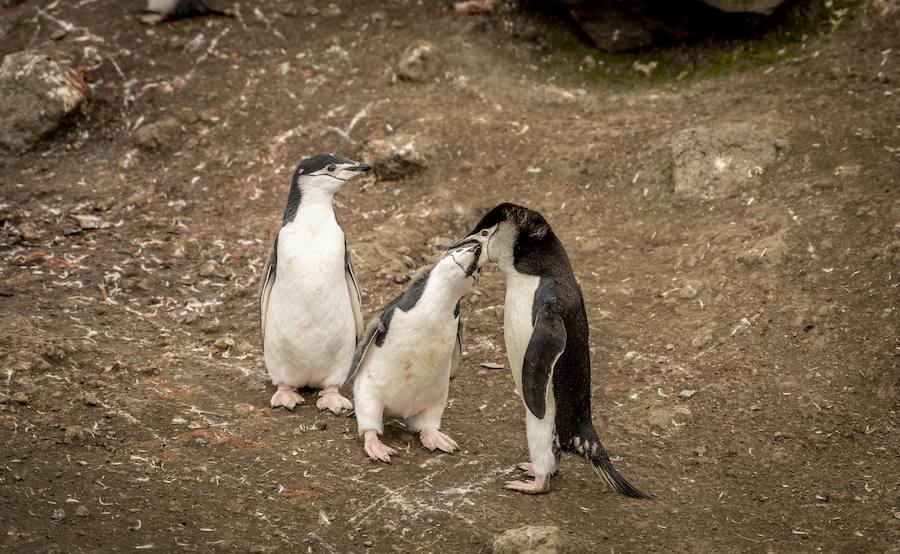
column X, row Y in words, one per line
column 548, row 341
column 592, row 449
column 265, row 288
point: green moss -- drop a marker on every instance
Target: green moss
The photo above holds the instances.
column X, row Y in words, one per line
column 704, row 60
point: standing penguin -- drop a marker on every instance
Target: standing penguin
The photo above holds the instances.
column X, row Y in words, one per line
column 545, row 328
column 410, row 351
column 310, row 305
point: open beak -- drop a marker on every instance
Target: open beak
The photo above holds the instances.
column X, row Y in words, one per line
column 471, row 239
column 359, row 167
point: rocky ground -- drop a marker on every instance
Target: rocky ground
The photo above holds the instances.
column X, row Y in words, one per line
column 737, row 238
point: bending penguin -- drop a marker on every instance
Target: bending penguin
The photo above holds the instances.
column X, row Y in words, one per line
column 310, row 305
column 162, row 10
column 410, row 351
column 545, row 328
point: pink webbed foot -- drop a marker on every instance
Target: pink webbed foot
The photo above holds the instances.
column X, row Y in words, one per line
column 539, row 485
column 434, row 439
column 376, row 449
column 286, row 396
column 330, row 399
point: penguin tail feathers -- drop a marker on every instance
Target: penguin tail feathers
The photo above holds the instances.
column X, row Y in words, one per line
column 589, row 446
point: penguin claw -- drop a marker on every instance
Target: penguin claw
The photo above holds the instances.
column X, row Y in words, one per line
column 539, row 485
column 377, row 450
column 434, row 439
column 527, row 467
column 287, row 397
column 331, row 399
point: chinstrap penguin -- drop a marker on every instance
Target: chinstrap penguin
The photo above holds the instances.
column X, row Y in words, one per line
column 545, row 328
column 310, row 305
column 410, row 350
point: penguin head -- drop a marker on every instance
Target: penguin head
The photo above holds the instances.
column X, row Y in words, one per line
column 506, row 232
column 326, row 173
column 461, row 265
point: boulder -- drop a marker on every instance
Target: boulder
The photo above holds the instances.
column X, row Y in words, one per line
column 761, row 7
column 39, row 94
column 530, row 539
column 419, row 61
column 398, row 156
column 718, row 162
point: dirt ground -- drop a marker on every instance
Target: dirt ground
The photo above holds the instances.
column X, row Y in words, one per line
column 134, row 409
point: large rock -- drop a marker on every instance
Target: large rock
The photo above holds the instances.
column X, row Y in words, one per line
column 398, row 156
column 762, row 7
column 39, row 95
column 719, row 162
column 531, row 539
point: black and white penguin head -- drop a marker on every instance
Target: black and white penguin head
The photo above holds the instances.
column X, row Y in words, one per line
column 460, row 267
column 326, row 173
column 507, row 232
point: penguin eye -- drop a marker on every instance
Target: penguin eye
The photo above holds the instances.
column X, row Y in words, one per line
column 484, row 233
column 330, row 168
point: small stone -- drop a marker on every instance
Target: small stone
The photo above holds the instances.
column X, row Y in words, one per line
column 20, row 397
column 400, row 279
column 74, row 434
column 399, row 156
column 418, row 62
column 58, row 514
column 224, row 343
column 58, row 34
column 821, row 498
column 82, row 511
column 164, row 135
column 91, row 400
column 896, row 515
column 28, row 232
column 3, row 398
column 491, row 365
column 332, row 11
column 312, row 11
column 699, row 451
column 631, row 356
column 686, row 394
column 670, row 346
column 530, row 539
column 209, row 269
column 243, row 409
column 756, row 408
column 589, row 62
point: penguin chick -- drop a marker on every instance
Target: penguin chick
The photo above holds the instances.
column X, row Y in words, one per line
column 404, row 362
column 161, row 10
column 310, row 306
column 545, row 329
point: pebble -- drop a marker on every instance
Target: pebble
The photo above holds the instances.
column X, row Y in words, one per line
column 687, row 393
column 630, row 356
column 91, row 400
column 20, row 397
column 670, row 346
column 58, row 34
column 312, row 10
column 589, row 62
column 491, row 365
column 209, row 269
column 224, row 343
column 82, row 511
column 58, row 514
column 332, row 11
column 243, row 409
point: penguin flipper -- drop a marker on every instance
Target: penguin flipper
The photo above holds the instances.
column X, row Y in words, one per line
column 355, row 295
column 548, row 341
column 456, row 360
column 265, row 289
column 374, row 331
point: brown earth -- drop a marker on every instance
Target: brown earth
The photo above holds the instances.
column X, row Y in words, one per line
column 144, row 422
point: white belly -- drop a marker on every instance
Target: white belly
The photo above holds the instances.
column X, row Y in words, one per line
column 410, row 372
column 310, row 326
column 517, row 320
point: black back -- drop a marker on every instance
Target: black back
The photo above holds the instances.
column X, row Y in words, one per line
column 538, row 251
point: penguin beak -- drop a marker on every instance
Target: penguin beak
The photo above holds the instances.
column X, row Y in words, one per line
column 359, row 167
column 465, row 242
